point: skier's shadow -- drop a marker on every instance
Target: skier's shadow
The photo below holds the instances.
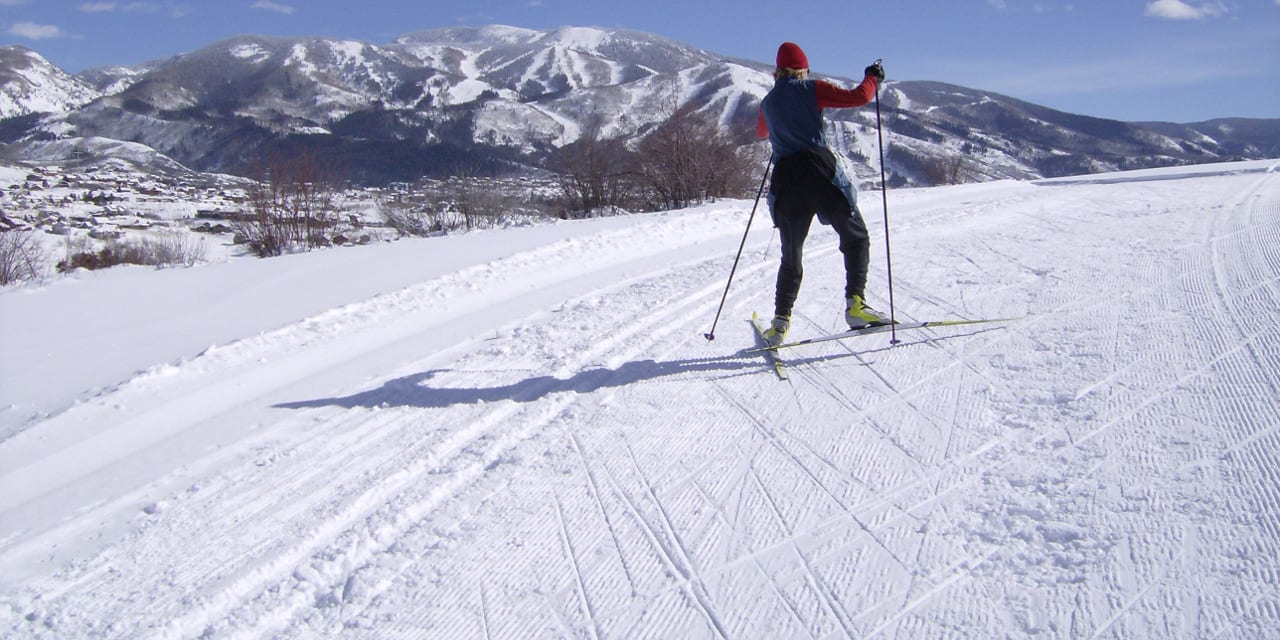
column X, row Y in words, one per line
column 417, row 391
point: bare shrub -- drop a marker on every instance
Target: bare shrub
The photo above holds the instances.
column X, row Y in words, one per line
column 409, row 218
column 294, row 206
column 594, row 173
column 21, row 257
column 943, row 170
column 462, row 202
column 176, row 248
column 170, row 249
column 690, row 158
column 478, row 206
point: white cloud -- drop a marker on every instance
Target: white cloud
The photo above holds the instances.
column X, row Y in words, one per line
column 1035, row 7
column 1179, row 10
column 33, row 31
column 267, row 5
column 175, row 9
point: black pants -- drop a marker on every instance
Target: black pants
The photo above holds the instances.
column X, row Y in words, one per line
column 799, row 190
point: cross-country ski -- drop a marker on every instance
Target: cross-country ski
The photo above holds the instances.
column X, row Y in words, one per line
column 770, row 353
column 880, row 328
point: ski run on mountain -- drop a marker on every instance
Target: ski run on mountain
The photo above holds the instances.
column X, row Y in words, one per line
column 523, row 433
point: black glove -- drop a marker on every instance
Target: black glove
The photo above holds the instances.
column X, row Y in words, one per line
column 876, row 70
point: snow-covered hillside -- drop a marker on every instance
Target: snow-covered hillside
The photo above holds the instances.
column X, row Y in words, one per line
column 30, row 84
column 523, row 433
column 499, row 99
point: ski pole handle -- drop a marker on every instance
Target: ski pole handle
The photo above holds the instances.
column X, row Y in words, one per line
column 876, row 69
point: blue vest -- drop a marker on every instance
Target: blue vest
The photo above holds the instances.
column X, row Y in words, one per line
column 795, row 122
column 795, row 125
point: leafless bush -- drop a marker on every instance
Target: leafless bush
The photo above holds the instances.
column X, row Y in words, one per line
column 172, row 248
column 595, row 174
column 409, row 218
column 177, row 248
column 925, row 169
column 686, row 160
column 690, row 158
column 941, row 171
column 477, row 205
column 462, row 202
column 294, row 206
column 21, row 257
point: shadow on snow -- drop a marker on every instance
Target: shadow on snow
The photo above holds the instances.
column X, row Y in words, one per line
column 416, row 391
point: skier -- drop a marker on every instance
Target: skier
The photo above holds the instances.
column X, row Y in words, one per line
column 807, row 181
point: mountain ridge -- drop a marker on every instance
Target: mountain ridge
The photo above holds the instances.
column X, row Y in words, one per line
column 498, row 98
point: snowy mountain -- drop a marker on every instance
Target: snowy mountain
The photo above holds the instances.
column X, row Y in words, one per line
column 31, row 84
column 500, row 97
column 988, row 129
column 523, row 433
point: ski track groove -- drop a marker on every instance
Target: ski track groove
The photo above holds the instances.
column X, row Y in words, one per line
column 636, row 330
column 604, row 512
column 621, row 336
column 834, row 391
column 1130, row 414
column 812, row 475
column 484, row 613
column 791, row 536
column 368, row 527
column 718, row 510
column 814, row 480
column 218, row 604
column 572, row 554
column 683, row 583
column 782, row 522
column 940, row 476
column 687, row 566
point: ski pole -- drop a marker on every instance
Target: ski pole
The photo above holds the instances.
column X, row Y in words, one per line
column 884, row 195
column 711, row 335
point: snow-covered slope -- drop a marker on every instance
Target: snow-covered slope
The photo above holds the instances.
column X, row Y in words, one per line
column 31, row 84
column 131, row 153
column 498, row 98
column 524, row 433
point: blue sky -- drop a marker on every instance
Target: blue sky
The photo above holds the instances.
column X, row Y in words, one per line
column 1173, row 60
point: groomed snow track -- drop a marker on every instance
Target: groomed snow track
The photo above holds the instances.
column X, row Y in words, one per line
column 546, row 446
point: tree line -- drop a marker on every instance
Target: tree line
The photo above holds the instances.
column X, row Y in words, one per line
column 686, row 160
column 296, row 202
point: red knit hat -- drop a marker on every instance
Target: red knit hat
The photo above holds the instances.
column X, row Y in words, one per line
column 791, row 56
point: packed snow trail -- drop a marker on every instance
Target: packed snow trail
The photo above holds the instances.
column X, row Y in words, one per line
column 545, row 446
